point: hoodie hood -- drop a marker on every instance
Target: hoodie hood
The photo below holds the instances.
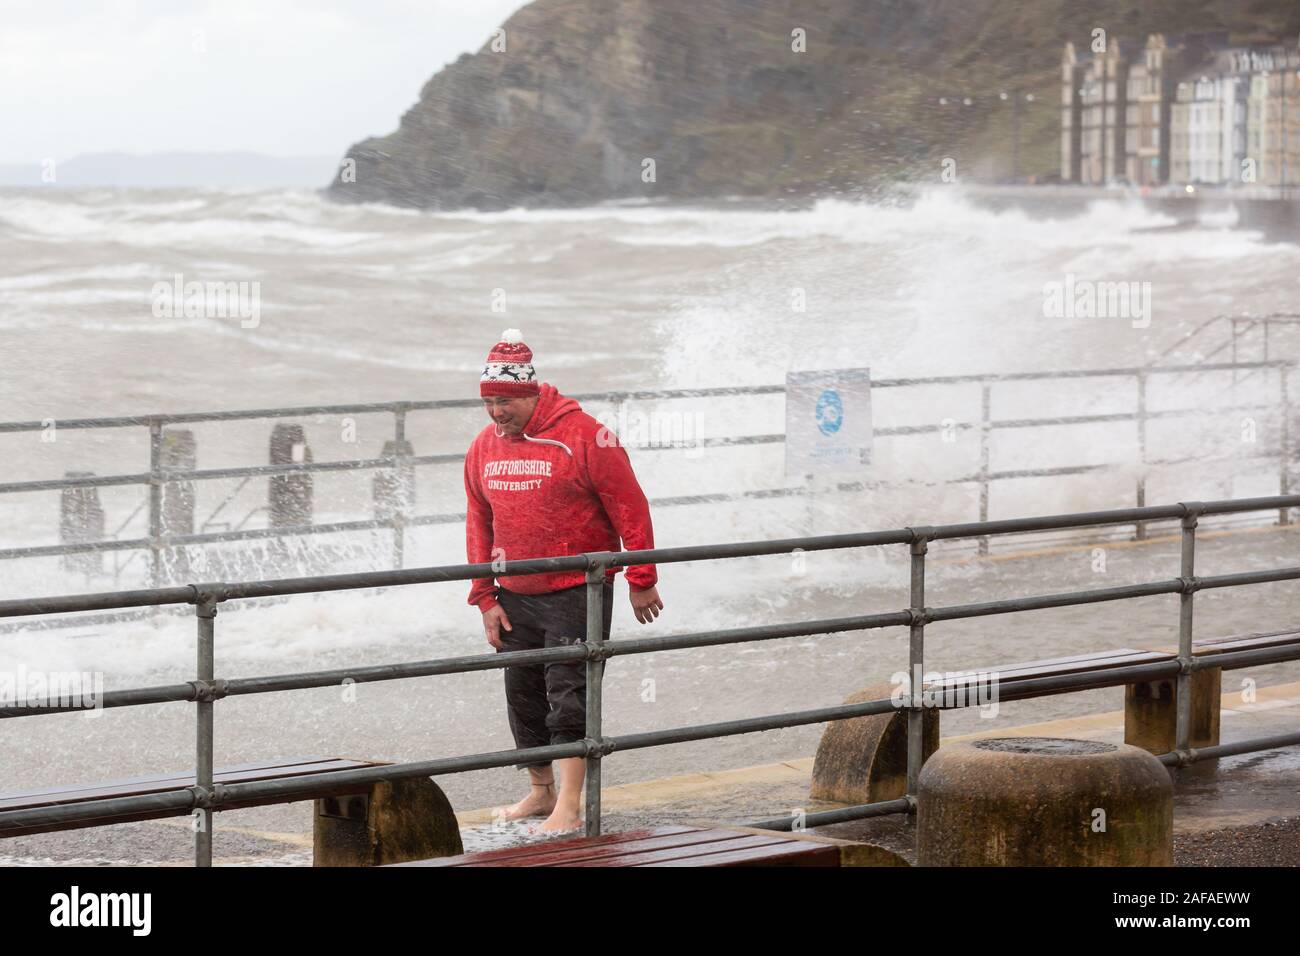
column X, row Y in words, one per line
column 551, row 407
column 550, row 410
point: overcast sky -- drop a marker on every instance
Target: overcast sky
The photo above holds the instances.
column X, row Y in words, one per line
column 272, row 76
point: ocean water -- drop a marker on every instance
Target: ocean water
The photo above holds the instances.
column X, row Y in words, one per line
column 369, row 304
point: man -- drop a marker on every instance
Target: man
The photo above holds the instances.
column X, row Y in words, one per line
column 545, row 479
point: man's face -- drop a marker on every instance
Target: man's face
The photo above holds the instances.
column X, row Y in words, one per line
column 511, row 414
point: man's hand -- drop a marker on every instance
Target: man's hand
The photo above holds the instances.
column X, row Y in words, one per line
column 646, row 604
column 494, row 618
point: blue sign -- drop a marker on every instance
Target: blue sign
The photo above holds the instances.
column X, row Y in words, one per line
column 829, row 412
column 827, row 422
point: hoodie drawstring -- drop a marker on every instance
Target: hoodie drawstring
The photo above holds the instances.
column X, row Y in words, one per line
column 548, row 441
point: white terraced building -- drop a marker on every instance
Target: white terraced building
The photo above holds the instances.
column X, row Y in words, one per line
column 1189, row 110
column 1209, row 129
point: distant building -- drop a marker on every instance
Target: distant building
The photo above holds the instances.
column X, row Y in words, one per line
column 1190, row 109
column 1279, row 121
column 1200, row 129
column 1071, row 116
column 1115, row 118
column 1146, row 134
column 1103, row 97
column 1257, row 127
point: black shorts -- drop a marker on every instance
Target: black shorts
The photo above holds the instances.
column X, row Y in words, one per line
column 547, row 703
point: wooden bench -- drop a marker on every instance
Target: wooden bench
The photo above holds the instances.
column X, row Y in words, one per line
column 864, row 759
column 1151, row 707
column 1244, row 642
column 361, row 824
column 681, row 846
column 162, row 783
column 1008, row 675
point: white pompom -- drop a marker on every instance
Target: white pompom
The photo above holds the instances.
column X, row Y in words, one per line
column 512, row 336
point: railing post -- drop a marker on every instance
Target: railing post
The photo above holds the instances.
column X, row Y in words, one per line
column 205, row 610
column 1140, row 529
column 595, row 679
column 1233, row 354
column 916, row 661
column 986, row 428
column 1187, row 572
column 1284, row 439
column 155, row 503
column 400, row 468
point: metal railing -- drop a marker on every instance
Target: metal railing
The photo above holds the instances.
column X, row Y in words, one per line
column 1236, row 330
column 206, row 797
column 157, row 542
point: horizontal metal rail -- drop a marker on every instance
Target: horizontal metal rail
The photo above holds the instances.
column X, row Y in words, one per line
column 1017, row 689
column 163, row 548
column 745, row 549
column 376, row 524
column 844, row 815
column 379, row 408
column 453, row 458
column 1236, row 748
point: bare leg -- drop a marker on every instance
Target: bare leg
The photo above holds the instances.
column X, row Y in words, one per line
column 566, row 814
column 541, row 797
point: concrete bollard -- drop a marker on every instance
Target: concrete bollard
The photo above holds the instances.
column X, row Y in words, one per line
column 81, row 521
column 179, row 456
column 1151, row 712
column 398, row 821
column 289, row 497
column 1044, row 801
column 393, row 490
column 864, row 759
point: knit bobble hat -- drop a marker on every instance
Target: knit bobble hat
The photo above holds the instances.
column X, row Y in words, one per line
column 509, row 370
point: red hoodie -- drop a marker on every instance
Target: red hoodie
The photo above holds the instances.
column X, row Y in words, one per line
column 555, row 490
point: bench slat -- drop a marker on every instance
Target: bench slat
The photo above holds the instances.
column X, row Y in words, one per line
column 730, row 842
column 517, row 854
column 143, row 779
column 1221, row 645
column 792, row 853
column 749, row 849
column 163, row 782
column 662, row 846
column 594, row 854
column 1224, row 643
column 1103, row 660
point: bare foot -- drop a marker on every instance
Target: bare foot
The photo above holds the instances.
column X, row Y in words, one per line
column 539, row 802
column 562, row 820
